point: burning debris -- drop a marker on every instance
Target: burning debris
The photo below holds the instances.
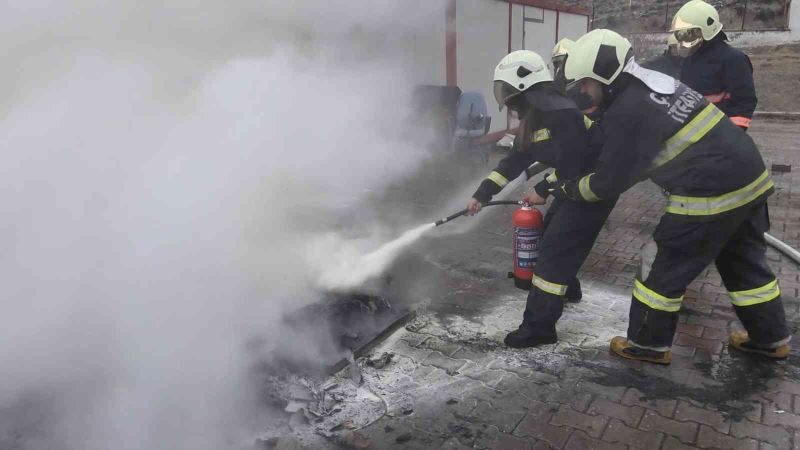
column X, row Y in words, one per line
column 327, row 397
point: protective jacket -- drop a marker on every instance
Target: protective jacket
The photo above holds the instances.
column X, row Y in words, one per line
column 552, row 132
column 724, row 76
column 684, row 144
column 665, row 63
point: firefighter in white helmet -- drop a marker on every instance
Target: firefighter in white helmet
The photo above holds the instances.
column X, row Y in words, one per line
column 723, row 74
column 554, row 132
column 717, row 187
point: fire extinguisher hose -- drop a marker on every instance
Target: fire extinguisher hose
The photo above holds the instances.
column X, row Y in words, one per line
column 464, row 211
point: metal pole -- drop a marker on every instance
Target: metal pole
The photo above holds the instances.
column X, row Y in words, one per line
column 744, row 14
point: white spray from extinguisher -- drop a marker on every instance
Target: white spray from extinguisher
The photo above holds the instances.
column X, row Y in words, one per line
column 346, row 269
column 348, row 272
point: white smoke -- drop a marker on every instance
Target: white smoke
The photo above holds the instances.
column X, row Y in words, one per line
column 161, row 164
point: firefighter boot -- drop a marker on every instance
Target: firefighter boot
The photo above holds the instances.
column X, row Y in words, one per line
column 524, row 337
column 741, row 341
column 624, row 348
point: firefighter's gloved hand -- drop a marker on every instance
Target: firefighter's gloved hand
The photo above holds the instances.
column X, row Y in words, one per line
column 543, row 187
column 534, row 199
column 473, row 207
column 558, row 190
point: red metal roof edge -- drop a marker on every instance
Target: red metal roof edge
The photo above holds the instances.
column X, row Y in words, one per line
column 552, row 6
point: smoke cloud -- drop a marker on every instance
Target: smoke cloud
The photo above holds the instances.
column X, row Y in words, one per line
column 165, row 166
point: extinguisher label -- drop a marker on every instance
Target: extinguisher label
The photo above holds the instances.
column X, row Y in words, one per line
column 526, row 246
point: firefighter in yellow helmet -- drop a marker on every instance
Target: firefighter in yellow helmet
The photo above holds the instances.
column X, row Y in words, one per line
column 716, row 210
column 558, row 58
column 669, row 62
column 723, row 74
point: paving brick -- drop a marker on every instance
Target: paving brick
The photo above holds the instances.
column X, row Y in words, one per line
column 778, row 401
column 542, row 445
column 685, row 431
column 504, row 420
column 619, row 432
column 715, row 333
column 714, row 419
column 445, row 363
column 768, row 446
column 592, row 425
column 535, row 425
column 581, row 441
column 628, row 414
column 402, row 348
column 579, row 401
column 772, row 417
column 707, row 322
column 443, row 347
column 682, row 350
column 613, row 393
column 708, row 438
column 773, row 435
column 670, row 443
column 508, row 442
column 713, row 346
column 784, row 386
column 691, row 330
column 664, row 407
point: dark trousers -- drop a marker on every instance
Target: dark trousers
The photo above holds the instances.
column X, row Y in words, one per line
column 570, row 231
column 736, row 244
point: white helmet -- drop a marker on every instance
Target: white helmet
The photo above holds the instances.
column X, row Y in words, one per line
column 517, row 72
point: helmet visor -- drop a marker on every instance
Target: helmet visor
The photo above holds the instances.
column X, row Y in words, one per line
column 504, row 92
column 689, row 38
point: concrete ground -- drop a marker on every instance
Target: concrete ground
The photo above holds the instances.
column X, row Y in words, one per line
column 451, row 383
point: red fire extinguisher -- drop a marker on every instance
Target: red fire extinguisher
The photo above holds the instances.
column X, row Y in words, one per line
column 527, row 222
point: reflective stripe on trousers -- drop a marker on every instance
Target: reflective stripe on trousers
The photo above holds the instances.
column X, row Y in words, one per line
column 706, row 206
column 762, row 294
column 655, row 300
column 550, row 288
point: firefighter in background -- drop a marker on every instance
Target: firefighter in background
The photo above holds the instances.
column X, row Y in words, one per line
column 554, row 132
column 723, row 74
column 559, row 57
column 669, row 62
column 716, row 208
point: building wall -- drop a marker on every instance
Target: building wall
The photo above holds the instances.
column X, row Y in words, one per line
column 482, row 39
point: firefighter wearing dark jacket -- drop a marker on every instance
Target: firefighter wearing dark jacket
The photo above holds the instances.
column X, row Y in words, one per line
column 555, row 133
column 669, row 62
column 716, row 207
column 721, row 73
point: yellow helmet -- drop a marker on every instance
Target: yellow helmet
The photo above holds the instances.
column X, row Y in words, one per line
column 695, row 22
column 672, row 40
column 599, row 54
column 562, row 47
